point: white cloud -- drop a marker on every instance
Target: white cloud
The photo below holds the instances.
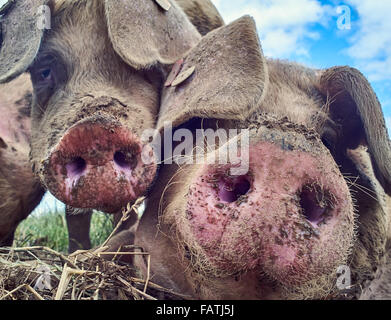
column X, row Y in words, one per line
column 371, row 43
column 284, row 25
column 2, row 2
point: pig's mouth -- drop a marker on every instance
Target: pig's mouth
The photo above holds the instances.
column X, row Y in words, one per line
column 99, row 166
column 290, row 217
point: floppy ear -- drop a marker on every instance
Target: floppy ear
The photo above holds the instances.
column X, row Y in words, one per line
column 145, row 33
column 203, row 14
column 354, row 105
column 21, row 37
column 224, row 77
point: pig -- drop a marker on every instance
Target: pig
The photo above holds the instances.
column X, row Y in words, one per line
column 20, row 190
column 87, row 114
column 97, row 73
column 314, row 203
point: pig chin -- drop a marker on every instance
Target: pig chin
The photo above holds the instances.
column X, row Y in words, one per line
column 100, row 166
column 290, row 219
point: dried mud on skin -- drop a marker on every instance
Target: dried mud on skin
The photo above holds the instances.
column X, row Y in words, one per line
column 83, row 275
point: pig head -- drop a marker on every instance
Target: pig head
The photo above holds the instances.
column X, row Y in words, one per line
column 315, row 196
column 97, row 74
column 20, row 190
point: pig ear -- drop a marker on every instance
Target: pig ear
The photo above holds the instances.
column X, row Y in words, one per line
column 20, row 37
column 224, row 77
column 355, row 106
column 203, row 14
column 148, row 32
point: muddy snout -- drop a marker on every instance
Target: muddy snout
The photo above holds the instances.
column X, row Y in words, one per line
column 101, row 166
column 289, row 218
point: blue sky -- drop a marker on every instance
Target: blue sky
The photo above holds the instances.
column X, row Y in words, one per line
column 307, row 31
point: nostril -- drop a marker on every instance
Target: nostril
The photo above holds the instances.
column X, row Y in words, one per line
column 230, row 190
column 313, row 204
column 120, row 158
column 76, row 167
column 124, row 160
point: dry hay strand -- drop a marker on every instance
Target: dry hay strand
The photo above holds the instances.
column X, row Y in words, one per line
column 40, row 273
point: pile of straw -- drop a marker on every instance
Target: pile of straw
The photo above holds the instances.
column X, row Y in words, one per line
column 40, row 273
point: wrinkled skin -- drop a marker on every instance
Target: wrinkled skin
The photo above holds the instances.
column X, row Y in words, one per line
column 314, row 198
column 20, row 190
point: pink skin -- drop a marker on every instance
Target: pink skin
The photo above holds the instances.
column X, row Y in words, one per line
column 97, row 166
column 283, row 218
column 14, row 129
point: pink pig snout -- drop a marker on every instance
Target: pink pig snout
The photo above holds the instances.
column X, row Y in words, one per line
column 99, row 166
column 281, row 219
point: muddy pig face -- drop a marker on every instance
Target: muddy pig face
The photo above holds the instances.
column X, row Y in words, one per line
column 283, row 227
column 96, row 78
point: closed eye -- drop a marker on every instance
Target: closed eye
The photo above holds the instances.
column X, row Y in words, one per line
column 328, row 144
column 330, row 138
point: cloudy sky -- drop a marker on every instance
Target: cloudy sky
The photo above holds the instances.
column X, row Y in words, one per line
column 324, row 33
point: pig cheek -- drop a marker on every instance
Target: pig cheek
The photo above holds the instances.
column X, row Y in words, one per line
column 265, row 230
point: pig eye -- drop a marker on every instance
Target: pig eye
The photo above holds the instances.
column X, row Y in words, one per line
column 46, row 74
column 45, row 77
column 43, row 71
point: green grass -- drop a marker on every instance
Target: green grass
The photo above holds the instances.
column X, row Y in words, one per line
column 50, row 230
